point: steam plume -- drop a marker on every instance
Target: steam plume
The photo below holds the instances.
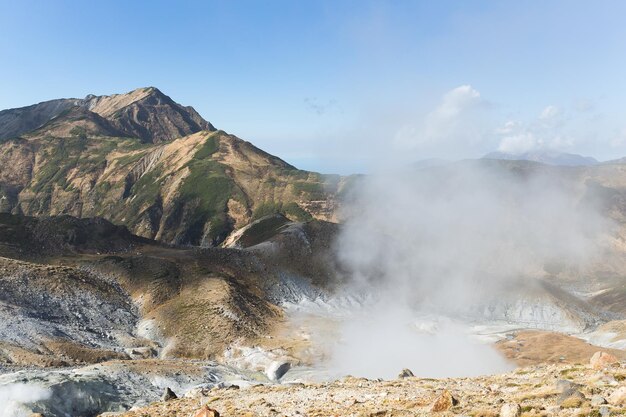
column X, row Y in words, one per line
column 15, row 398
column 443, row 241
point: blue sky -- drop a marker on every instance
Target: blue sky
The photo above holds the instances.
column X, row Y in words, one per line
column 336, row 86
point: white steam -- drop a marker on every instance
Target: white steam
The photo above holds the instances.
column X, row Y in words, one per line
column 14, row 399
column 387, row 336
column 445, row 241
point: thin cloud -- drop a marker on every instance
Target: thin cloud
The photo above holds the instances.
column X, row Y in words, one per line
column 453, row 120
column 550, row 113
column 318, row 107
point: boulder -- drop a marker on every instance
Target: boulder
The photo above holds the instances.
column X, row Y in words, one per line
column 140, row 352
column 598, row 400
column 563, row 385
column 405, row 373
column 444, row 402
column 618, row 397
column 601, row 360
column 168, row 395
column 277, row 369
column 511, row 410
column 571, row 392
column 205, row 411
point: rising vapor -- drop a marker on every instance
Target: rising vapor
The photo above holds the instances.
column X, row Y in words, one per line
column 443, row 242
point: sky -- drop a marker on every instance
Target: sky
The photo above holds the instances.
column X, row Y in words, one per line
column 337, row 86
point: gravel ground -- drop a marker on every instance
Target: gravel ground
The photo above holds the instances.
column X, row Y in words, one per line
column 548, row 390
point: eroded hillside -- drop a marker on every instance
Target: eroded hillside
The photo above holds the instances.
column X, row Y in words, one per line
column 143, row 161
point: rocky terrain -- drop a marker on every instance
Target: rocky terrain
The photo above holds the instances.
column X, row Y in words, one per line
column 145, row 113
column 545, row 390
column 142, row 249
column 141, row 160
column 80, row 291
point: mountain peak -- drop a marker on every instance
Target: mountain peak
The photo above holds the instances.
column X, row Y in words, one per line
column 145, row 113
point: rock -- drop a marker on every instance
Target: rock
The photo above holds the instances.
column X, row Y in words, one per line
column 571, row 402
column 563, row 385
column 277, row 369
column 205, row 411
column 553, row 410
column 168, row 395
column 618, row 397
column 570, row 393
column 198, row 392
column 598, row 400
column 140, row 353
column 36, row 415
column 601, row 360
column 444, row 402
column 604, row 411
column 405, row 373
column 511, row 410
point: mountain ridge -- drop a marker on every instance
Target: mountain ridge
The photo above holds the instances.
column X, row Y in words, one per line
column 137, row 161
column 145, row 113
column 545, row 157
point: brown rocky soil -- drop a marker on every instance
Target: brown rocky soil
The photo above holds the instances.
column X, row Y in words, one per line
column 530, row 347
column 546, row 390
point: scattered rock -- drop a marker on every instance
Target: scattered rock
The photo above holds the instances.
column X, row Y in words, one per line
column 553, row 410
column 198, row 392
column 571, row 402
column 604, row 411
column 168, row 395
column 276, row 370
column 601, row 360
column 563, row 385
column 405, row 373
column 598, row 400
column 140, row 353
column 570, row 393
column 444, row 402
column 205, row 411
column 511, row 410
column 618, row 397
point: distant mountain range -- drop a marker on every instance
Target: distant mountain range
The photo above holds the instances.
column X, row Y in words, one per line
column 545, row 157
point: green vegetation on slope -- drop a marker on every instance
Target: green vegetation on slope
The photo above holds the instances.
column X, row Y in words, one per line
column 291, row 210
column 204, row 196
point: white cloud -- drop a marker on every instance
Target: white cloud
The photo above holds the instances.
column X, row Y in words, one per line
column 454, row 102
column 550, row 113
column 453, row 120
column 546, row 132
column 508, row 127
column 462, row 124
column 520, row 143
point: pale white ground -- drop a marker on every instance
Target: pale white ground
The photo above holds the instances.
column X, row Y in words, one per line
column 349, row 335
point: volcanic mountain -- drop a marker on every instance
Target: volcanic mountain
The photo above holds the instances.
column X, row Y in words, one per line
column 146, row 162
column 145, row 113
